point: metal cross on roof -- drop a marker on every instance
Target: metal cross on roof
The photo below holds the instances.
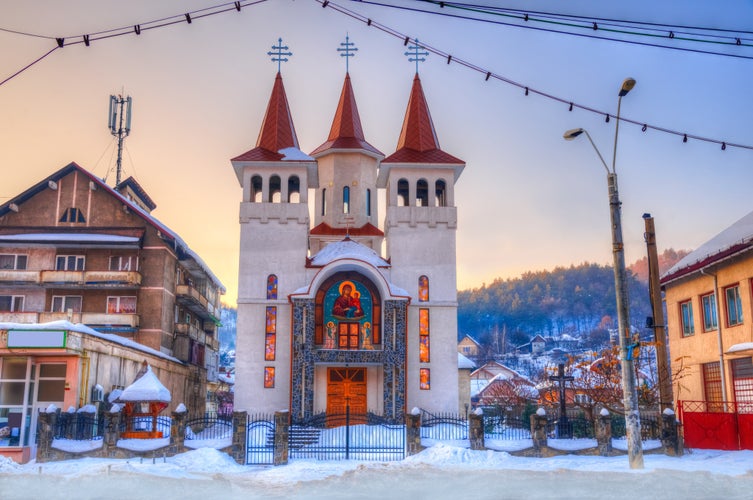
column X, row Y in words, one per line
column 414, row 54
column 347, row 50
column 277, row 56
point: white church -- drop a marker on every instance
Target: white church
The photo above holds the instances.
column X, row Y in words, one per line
column 338, row 313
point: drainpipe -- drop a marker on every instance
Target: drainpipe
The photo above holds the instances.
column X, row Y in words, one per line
column 719, row 333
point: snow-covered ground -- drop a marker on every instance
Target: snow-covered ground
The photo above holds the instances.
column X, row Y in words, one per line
column 439, row 472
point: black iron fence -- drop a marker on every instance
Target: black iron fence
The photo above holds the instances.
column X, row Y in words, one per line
column 147, row 424
column 260, row 439
column 345, row 436
column 210, row 427
column 506, row 427
column 650, row 426
column 79, row 426
column 443, row 426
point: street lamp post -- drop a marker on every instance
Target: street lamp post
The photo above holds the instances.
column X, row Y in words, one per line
column 629, row 392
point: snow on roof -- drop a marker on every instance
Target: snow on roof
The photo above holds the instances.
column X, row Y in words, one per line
column 294, row 154
column 146, row 388
column 465, row 363
column 736, row 237
column 69, row 238
column 744, row 346
column 81, row 328
column 347, row 249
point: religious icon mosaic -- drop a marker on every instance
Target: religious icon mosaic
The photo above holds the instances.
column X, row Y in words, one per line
column 348, row 317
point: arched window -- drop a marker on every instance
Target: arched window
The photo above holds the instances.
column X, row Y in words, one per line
column 271, row 287
column 402, row 193
column 423, row 289
column 346, row 200
column 324, row 201
column 275, row 189
column 368, row 203
column 256, row 189
column 440, row 193
column 422, row 193
column 294, row 189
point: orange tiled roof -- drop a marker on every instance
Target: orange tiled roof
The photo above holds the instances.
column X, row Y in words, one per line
column 346, row 131
column 418, row 141
column 277, row 130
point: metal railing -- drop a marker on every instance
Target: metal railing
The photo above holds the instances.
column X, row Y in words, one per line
column 79, row 426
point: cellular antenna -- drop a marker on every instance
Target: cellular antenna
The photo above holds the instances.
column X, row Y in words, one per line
column 119, row 122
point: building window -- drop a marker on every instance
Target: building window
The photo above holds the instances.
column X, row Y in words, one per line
column 709, row 312
column 124, row 263
column 270, row 337
column 440, row 193
column 712, row 383
column 13, row 261
column 16, row 396
column 346, row 200
column 368, row 203
column 275, row 189
column 324, row 201
column 686, row 317
column 423, row 335
column 423, row 289
column 742, row 381
column 257, row 193
column 121, row 305
column 272, row 287
column 422, row 193
column 734, row 305
column 424, row 375
column 69, row 263
column 269, row 377
column 294, row 189
column 72, row 215
column 403, row 196
column 65, row 303
column 11, row 303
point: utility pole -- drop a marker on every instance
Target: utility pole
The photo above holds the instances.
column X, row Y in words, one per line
column 662, row 361
column 119, row 122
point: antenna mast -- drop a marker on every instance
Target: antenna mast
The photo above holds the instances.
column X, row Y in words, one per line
column 120, row 112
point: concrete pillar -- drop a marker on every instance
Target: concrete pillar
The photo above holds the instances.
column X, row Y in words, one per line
column 112, row 432
column 538, row 431
column 240, row 441
column 603, row 429
column 413, row 432
column 46, row 427
column 282, row 427
column 476, row 430
column 671, row 435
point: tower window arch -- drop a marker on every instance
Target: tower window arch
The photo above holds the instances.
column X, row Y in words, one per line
column 440, row 193
column 422, row 193
column 275, row 189
column 402, row 193
column 272, row 287
column 294, row 189
column 256, row 189
column 346, row 200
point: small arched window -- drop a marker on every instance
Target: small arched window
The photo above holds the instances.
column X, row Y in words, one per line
column 422, row 193
column 275, row 189
column 440, row 193
column 423, row 288
column 402, row 193
column 272, row 287
column 256, row 189
column 294, row 189
column 346, row 200
column 324, row 201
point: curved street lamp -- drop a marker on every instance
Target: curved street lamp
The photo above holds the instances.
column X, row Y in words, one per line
column 629, row 392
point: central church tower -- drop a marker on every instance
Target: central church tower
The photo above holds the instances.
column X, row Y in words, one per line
column 326, row 322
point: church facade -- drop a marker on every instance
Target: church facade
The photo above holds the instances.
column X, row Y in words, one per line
column 334, row 312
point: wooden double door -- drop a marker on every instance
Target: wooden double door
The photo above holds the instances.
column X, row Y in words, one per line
column 346, row 387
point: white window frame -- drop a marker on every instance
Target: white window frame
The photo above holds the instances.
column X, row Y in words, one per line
column 686, row 318
column 16, row 303
column 708, row 308
column 124, row 263
column 117, row 300
column 79, row 262
column 63, row 305
column 16, row 257
column 734, row 306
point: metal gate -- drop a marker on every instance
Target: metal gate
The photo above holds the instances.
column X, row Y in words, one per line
column 717, row 425
column 344, row 437
column 260, row 440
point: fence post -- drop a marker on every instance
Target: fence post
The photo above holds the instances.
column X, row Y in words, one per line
column 46, row 427
column 538, row 431
column 282, row 430
column 476, row 429
column 240, row 440
column 670, row 434
column 604, row 433
column 112, row 431
column 178, row 432
column 413, row 431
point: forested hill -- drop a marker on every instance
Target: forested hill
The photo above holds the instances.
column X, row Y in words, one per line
column 576, row 300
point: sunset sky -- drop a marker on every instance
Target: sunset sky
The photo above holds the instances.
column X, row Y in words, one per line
column 527, row 200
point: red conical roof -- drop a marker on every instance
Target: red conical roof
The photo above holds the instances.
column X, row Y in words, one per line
column 418, row 141
column 346, row 131
column 277, row 131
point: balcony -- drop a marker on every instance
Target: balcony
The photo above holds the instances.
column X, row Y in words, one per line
column 193, row 300
column 190, row 331
column 14, row 277
column 19, row 317
column 104, row 279
column 99, row 321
